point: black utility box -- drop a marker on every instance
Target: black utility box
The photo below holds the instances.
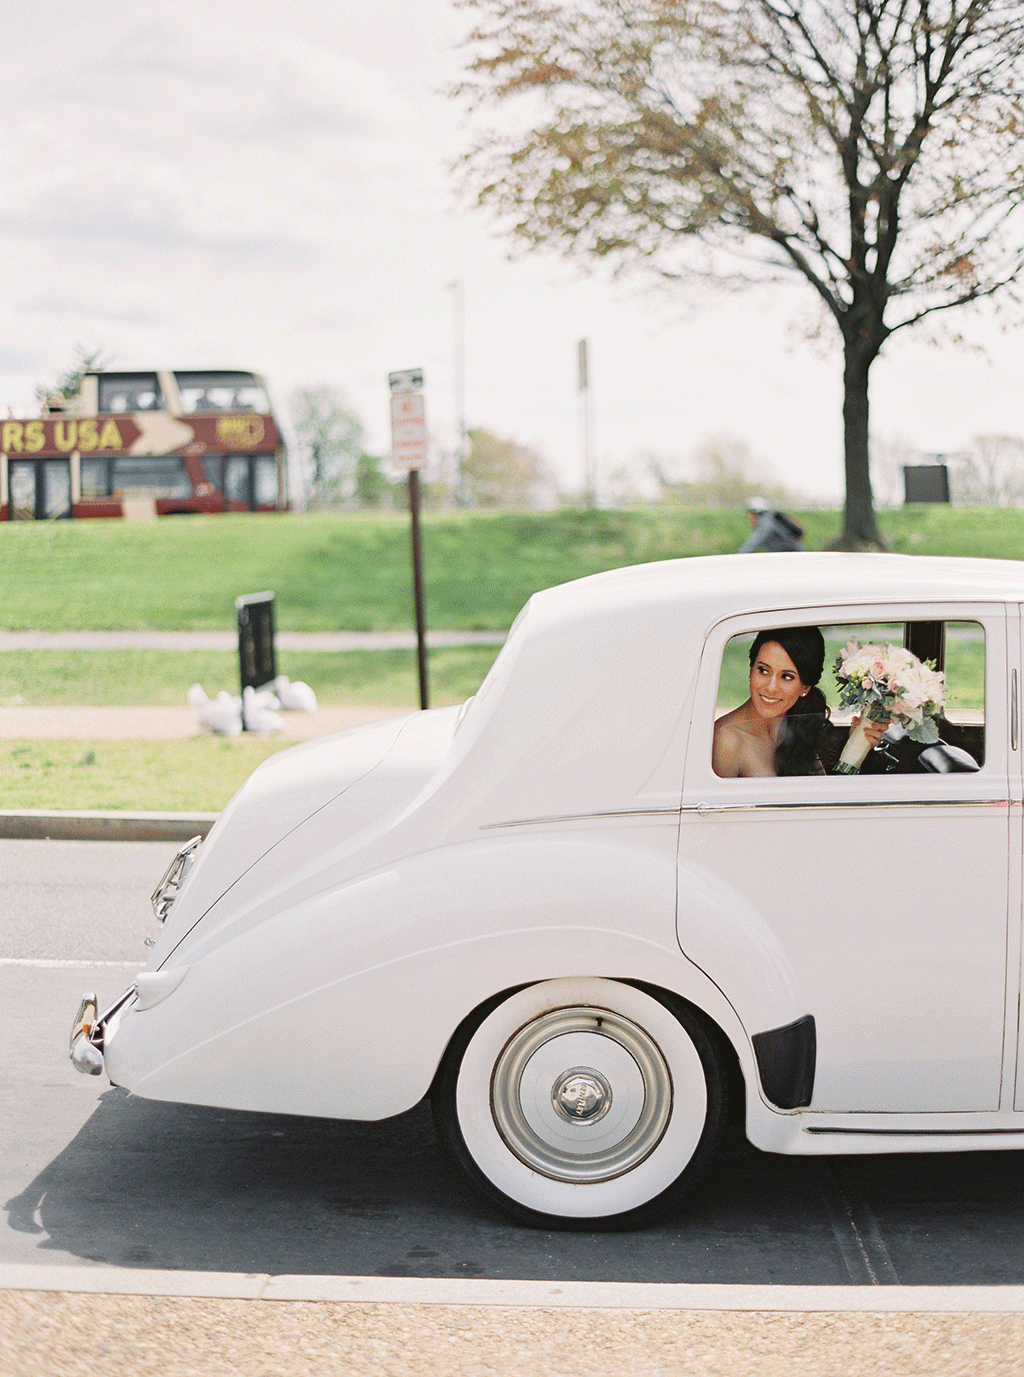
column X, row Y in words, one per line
column 925, row 483
column 256, row 660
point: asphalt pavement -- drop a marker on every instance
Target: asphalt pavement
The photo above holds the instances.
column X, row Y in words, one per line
column 91, row 1175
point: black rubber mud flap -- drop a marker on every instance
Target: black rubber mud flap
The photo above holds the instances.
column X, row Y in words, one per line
column 785, row 1063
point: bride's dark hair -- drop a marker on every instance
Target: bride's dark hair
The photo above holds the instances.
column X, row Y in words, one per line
column 804, row 724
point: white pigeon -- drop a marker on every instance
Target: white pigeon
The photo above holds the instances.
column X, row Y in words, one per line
column 256, row 716
column 295, row 697
column 222, row 715
column 265, row 698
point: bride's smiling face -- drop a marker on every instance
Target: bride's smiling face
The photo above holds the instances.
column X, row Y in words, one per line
column 774, row 682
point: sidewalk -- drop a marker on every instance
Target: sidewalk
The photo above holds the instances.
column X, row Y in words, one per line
column 389, row 1327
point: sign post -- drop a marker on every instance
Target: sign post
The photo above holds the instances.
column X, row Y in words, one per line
column 409, row 452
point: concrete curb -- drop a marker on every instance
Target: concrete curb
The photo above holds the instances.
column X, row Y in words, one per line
column 87, row 825
column 600, row 1295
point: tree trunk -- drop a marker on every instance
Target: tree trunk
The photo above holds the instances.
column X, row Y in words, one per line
column 860, row 530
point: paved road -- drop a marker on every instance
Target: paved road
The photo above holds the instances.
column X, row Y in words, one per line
column 91, row 1175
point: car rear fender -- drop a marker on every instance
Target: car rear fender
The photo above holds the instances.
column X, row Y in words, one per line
column 343, row 1005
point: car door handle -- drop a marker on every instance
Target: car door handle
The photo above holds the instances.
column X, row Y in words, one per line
column 1014, row 719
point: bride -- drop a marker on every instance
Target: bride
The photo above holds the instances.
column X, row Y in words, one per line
column 779, row 730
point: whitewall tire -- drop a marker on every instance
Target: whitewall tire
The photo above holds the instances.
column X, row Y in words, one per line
column 583, row 1103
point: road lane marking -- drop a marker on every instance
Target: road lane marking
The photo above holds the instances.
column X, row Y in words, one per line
column 43, row 964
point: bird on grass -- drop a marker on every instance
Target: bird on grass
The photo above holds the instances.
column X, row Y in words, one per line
column 222, row 714
column 295, row 696
column 257, row 713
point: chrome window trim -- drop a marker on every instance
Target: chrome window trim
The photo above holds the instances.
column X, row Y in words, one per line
column 703, row 809
column 583, row 817
column 918, row 1132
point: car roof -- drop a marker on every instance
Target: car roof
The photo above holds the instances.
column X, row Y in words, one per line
column 720, row 585
column 598, row 675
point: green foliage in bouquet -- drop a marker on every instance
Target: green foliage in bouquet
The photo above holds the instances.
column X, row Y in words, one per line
column 890, row 684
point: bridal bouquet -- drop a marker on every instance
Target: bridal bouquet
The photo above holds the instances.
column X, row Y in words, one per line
column 887, row 683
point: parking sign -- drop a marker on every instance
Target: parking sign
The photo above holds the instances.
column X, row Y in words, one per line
column 408, row 429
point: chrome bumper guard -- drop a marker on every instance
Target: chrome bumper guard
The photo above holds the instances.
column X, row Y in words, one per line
column 174, row 877
column 86, row 1042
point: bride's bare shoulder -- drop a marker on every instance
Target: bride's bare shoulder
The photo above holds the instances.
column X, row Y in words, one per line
column 729, row 719
column 730, row 745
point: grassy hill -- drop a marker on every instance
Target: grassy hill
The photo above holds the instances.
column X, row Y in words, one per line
column 351, row 571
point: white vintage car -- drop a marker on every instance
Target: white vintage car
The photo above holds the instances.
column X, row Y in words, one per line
column 545, row 910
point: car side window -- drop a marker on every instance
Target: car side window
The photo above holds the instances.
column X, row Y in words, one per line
column 869, row 698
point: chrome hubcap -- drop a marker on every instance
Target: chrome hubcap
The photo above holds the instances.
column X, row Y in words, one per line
column 581, row 1094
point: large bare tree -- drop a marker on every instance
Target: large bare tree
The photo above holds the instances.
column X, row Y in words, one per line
column 871, row 148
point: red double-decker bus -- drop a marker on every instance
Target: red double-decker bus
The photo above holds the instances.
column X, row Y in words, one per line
column 146, row 443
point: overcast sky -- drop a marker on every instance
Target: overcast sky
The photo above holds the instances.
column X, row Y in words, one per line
column 263, row 186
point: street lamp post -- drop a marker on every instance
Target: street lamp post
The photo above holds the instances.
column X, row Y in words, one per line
column 459, row 385
column 585, row 423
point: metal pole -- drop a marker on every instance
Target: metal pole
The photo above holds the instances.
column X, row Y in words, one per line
column 585, row 427
column 417, row 583
column 459, row 386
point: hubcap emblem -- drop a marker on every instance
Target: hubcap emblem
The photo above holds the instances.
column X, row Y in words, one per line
column 582, row 1095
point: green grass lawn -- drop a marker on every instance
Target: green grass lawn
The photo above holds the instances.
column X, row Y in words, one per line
column 201, row 773
column 196, row 775
column 351, row 571
column 160, row 678
column 342, row 571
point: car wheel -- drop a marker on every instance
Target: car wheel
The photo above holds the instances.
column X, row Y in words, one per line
column 584, row 1103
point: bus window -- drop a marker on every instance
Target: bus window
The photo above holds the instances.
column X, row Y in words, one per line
column 160, row 475
column 213, row 471
column 119, row 392
column 95, row 477
column 220, row 391
column 236, row 479
column 247, row 479
column 264, row 481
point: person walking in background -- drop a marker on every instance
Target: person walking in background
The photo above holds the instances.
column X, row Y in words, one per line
column 770, row 530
